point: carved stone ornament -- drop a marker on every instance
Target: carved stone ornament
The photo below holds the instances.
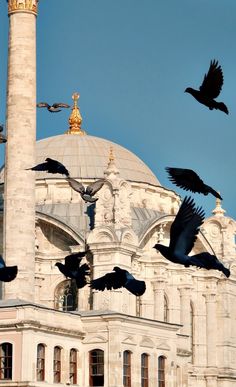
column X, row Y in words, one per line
column 23, row 6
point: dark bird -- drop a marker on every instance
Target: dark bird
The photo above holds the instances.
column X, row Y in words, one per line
column 190, row 181
column 2, row 136
column 73, row 270
column 53, row 108
column 210, row 88
column 88, row 193
column 183, row 234
column 7, row 273
column 117, row 279
column 51, row 166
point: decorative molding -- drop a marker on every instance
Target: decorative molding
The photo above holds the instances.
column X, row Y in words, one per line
column 23, row 6
column 183, row 352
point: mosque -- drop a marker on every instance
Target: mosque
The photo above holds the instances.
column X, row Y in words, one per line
column 180, row 333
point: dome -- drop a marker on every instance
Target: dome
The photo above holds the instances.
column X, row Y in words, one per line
column 87, row 157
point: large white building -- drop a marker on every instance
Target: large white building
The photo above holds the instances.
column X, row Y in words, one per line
column 180, row 333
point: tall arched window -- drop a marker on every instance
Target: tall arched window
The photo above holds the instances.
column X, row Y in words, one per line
column 40, row 367
column 127, row 369
column 144, row 370
column 166, row 309
column 66, row 296
column 73, row 366
column 96, row 368
column 161, row 371
column 57, row 365
column 6, row 361
column 191, row 331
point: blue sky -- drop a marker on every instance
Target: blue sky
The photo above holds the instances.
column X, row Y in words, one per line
column 131, row 61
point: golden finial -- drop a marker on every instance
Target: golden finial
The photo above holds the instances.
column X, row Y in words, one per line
column 23, row 6
column 75, row 119
column 111, row 155
column 218, row 211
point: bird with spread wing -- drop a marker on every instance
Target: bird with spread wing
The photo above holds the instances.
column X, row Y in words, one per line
column 3, row 138
column 7, row 273
column 51, row 166
column 117, row 279
column 88, row 193
column 210, row 88
column 55, row 108
column 183, row 234
column 73, row 270
column 190, row 181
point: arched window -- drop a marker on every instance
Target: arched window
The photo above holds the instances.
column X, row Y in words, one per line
column 144, row 370
column 57, row 365
column 161, row 371
column 127, row 369
column 66, row 296
column 73, row 366
column 166, row 309
column 96, row 368
column 40, row 367
column 191, row 331
column 6, row 361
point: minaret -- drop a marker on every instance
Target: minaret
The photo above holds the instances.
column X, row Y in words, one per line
column 19, row 194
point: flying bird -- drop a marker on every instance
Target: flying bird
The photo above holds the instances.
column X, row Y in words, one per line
column 183, row 234
column 7, row 273
column 53, row 108
column 73, row 270
column 51, row 166
column 2, row 136
column 88, row 193
column 190, row 181
column 210, row 88
column 117, row 279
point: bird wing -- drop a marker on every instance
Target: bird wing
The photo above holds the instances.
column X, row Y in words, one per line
column 109, row 281
column 213, row 81
column 60, row 104
column 188, row 236
column 1, row 128
column 2, row 263
column 94, row 187
column 72, row 261
column 76, row 185
column 185, row 178
column 40, row 167
column 43, row 104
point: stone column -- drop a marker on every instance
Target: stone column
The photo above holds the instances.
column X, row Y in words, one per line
column 19, row 204
column 159, row 293
column 211, row 328
column 185, row 315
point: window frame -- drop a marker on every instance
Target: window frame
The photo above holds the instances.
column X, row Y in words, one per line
column 144, row 370
column 98, row 364
column 57, row 364
column 40, row 364
column 161, row 371
column 73, row 365
column 127, row 368
column 6, row 358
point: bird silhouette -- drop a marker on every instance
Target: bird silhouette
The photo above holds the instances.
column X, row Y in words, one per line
column 51, row 166
column 3, row 138
column 183, row 234
column 7, row 273
column 73, row 270
column 88, row 193
column 117, row 279
column 53, row 108
column 210, row 88
column 190, row 181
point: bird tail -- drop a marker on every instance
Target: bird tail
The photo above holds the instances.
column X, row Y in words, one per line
column 208, row 262
column 225, row 271
column 213, row 192
column 136, row 287
column 221, row 106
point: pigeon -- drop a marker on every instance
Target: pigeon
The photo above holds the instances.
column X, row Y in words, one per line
column 2, row 136
column 117, row 279
column 86, row 194
column 7, row 273
column 72, row 268
column 183, row 234
column 210, row 88
column 190, row 181
column 53, row 108
column 51, row 166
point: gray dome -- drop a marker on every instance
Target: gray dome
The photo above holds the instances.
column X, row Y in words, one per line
column 88, row 156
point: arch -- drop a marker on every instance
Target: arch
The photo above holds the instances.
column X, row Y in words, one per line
column 144, row 369
column 73, row 365
column 96, row 367
column 6, row 361
column 57, row 364
column 161, row 371
column 66, row 296
column 127, row 368
column 40, row 363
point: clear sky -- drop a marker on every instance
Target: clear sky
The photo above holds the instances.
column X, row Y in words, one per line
column 130, row 61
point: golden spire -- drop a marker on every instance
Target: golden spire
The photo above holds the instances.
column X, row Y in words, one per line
column 111, row 156
column 218, row 211
column 75, row 119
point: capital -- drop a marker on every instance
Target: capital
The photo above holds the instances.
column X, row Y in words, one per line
column 30, row 6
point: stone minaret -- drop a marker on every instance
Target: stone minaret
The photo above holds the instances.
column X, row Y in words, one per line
column 19, row 195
